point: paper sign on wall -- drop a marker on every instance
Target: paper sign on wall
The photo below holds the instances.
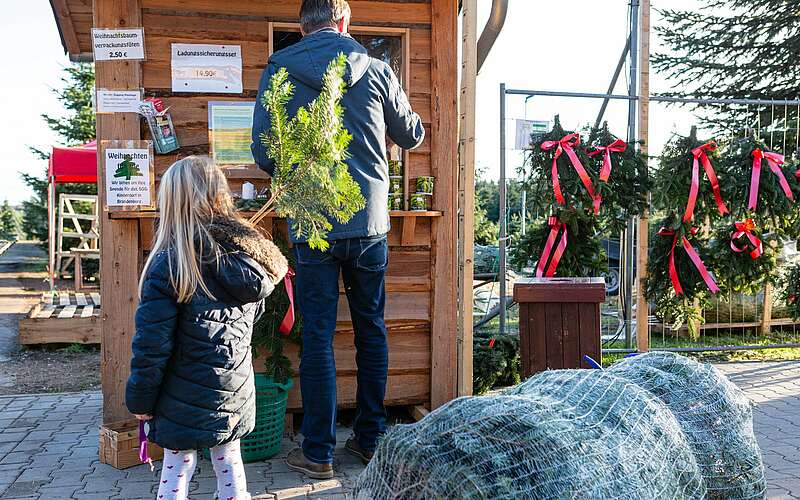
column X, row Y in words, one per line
column 207, row 68
column 129, row 175
column 525, row 129
column 118, row 45
column 118, row 101
column 230, row 125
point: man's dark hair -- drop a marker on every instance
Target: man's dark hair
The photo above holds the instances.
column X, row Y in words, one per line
column 318, row 14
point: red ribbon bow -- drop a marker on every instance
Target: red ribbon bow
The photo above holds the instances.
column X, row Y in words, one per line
column 746, row 228
column 288, row 320
column 696, row 260
column 617, row 146
column 566, row 145
column 774, row 160
column 555, row 226
column 700, row 156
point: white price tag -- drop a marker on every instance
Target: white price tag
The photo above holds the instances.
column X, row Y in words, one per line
column 118, row 44
column 207, row 68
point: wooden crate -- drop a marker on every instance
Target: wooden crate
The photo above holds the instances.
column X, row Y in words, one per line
column 62, row 318
column 119, row 445
column 559, row 322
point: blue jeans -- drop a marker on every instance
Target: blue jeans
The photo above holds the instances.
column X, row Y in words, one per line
column 362, row 263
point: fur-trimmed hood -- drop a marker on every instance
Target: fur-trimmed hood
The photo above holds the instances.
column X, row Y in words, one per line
column 241, row 236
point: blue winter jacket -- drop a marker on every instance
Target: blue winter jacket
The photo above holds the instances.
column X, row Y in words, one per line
column 191, row 366
column 374, row 106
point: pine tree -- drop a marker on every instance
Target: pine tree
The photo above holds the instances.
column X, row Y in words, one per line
column 9, row 222
column 77, row 127
column 127, row 169
column 736, row 49
column 311, row 184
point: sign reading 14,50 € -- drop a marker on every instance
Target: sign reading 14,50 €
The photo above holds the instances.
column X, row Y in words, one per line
column 118, row 44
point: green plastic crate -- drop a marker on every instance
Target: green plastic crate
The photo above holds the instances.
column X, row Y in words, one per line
column 265, row 440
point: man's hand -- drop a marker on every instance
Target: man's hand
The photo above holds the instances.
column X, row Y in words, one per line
column 143, row 417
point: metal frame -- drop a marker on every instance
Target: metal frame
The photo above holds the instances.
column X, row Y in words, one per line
column 632, row 98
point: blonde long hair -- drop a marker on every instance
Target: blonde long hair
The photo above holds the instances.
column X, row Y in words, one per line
column 193, row 192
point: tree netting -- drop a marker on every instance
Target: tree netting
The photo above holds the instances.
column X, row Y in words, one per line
column 653, row 426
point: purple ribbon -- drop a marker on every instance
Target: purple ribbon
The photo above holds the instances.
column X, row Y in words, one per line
column 144, row 456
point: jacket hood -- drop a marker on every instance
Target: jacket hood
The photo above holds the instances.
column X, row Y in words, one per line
column 240, row 236
column 308, row 59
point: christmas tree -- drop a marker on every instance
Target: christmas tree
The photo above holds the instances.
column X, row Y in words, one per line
column 735, row 49
column 311, row 184
column 127, row 169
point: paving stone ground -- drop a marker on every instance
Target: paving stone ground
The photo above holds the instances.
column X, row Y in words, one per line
column 48, row 447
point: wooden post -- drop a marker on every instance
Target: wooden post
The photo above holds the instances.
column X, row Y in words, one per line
column 444, row 145
column 119, row 265
column 642, row 307
column 466, row 191
column 766, row 318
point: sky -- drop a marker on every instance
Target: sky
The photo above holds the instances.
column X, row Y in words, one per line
column 33, row 60
column 543, row 46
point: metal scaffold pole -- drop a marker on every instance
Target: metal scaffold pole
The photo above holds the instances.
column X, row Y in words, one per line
column 631, row 227
column 502, row 211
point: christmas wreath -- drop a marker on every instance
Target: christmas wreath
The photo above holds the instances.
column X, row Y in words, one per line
column 606, row 177
column 567, row 244
column 623, row 180
column 555, row 172
column 678, row 280
column 691, row 181
column 763, row 186
column 744, row 259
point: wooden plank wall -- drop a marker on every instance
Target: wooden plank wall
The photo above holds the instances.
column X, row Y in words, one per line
column 411, row 288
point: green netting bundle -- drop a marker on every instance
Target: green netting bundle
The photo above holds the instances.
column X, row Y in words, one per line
column 714, row 415
column 654, row 426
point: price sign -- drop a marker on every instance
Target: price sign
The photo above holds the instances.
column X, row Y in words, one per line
column 118, row 45
column 206, row 73
column 206, row 68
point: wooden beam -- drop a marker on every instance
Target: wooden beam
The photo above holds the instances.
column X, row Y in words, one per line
column 642, row 307
column 67, row 28
column 766, row 318
column 466, row 191
column 376, row 12
column 418, row 412
column 119, row 266
column 444, row 142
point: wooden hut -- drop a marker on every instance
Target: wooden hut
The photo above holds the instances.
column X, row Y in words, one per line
column 421, row 309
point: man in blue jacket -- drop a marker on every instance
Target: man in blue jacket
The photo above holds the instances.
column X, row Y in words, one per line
column 374, row 106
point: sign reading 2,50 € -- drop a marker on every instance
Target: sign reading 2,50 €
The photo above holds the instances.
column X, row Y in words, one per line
column 118, row 44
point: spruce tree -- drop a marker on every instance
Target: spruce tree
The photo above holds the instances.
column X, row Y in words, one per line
column 9, row 222
column 736, row 49
column 75, row 128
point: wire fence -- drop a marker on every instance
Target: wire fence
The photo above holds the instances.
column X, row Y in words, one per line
column 733, row 321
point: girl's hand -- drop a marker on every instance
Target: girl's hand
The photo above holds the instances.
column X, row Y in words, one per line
column 143, row 417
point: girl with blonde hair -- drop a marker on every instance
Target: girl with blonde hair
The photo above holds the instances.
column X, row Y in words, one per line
column 201, row 290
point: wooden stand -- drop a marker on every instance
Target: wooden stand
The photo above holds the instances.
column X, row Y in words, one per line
column 119, row 445
column 559, row 322
column 62, row 318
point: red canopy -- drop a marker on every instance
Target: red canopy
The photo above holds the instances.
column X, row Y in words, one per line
column 78, row 164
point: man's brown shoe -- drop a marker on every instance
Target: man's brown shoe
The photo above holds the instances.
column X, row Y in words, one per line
column 297, row 461
column 354, row 448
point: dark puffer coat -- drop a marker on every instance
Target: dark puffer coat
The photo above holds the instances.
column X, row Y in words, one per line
column 191, row 366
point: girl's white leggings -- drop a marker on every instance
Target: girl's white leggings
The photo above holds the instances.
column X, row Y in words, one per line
column 179, row 466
